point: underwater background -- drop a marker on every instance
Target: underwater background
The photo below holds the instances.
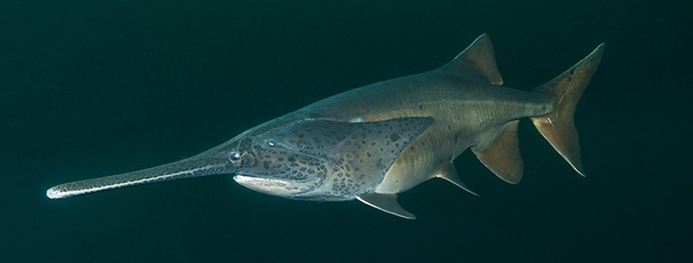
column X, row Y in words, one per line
column 94, row 88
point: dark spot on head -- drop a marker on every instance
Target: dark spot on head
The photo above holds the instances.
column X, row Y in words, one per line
column 394, row 137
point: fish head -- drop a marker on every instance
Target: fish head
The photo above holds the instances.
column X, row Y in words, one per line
column 323, row 159
column 268, row 164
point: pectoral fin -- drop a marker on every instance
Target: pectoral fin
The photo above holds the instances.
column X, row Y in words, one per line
column 503, row 157
column 386, row 203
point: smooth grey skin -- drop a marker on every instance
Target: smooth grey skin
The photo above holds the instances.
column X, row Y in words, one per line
column 376, row 141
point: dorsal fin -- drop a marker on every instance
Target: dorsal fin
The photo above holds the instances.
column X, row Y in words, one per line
column 479, row 58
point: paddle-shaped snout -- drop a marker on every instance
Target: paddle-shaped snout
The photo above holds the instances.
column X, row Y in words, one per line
column 222, row 159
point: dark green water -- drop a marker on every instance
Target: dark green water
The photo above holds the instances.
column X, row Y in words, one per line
column 92, row 88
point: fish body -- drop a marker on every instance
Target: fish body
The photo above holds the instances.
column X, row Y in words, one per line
column 374, row 142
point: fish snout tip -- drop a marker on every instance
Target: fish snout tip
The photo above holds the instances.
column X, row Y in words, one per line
column 54, row 193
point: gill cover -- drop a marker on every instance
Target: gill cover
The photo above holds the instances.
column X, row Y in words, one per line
column 328, row 160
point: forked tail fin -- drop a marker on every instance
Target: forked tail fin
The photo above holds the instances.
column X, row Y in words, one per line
column 558, row 127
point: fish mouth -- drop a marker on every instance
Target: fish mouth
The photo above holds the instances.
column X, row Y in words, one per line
column 246, row 176
column 271, row 186
column 253, row 178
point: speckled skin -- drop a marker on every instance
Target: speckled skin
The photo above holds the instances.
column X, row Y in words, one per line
column 325, row 160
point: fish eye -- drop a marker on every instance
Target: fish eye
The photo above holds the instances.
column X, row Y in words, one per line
column 247, row 159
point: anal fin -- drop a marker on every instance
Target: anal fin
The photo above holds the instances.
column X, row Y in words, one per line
column 503, row 157
column 386, row 203
column 447, row 171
